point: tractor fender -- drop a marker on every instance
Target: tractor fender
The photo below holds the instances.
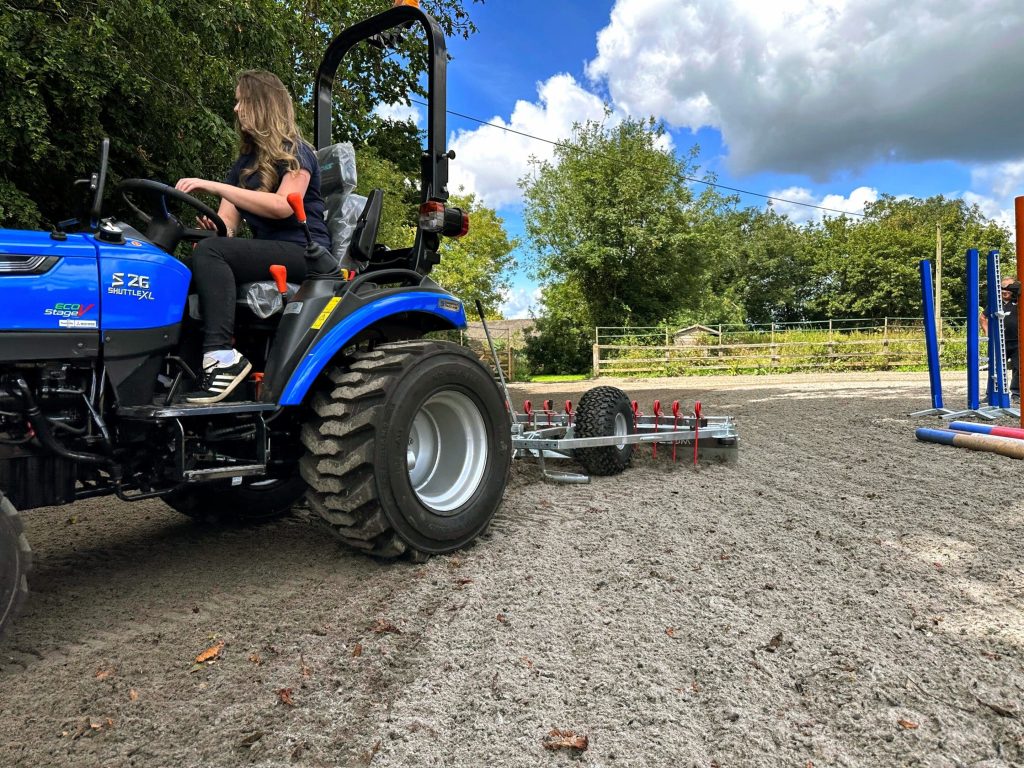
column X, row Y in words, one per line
column 446, row 312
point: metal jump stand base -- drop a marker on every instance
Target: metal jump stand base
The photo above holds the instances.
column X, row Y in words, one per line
column 550, row 435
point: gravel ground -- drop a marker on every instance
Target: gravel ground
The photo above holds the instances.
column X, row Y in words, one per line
column 842, row 595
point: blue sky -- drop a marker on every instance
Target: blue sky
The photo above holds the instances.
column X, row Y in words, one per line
column 829, row 102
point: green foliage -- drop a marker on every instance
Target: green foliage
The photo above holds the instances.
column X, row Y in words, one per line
column 476, row 267
column 158, row 79
column 612, row 213
column 561, row 339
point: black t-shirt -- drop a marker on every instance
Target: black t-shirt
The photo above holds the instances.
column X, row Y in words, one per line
column 1010, row 326
column 287, row 229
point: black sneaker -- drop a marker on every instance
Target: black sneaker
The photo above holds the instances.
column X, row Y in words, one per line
column 218, row 381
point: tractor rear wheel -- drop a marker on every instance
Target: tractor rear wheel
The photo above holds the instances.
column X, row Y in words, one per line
column 604, row 412
column 409, row 449
column 254, row 500
column 15, row 562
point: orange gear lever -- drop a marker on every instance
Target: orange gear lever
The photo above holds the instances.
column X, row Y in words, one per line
column 295, row 201
column 280, row 275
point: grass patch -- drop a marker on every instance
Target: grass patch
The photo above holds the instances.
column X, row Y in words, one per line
column 559, row 379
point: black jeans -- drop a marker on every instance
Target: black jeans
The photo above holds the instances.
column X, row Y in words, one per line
column 220, row 264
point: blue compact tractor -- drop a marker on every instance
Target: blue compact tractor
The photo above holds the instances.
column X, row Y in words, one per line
column 400, row 443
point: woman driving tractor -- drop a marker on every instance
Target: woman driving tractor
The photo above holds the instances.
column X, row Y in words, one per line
column 274, row 161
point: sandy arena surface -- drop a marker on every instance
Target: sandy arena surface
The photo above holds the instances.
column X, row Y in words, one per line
column 841, row 596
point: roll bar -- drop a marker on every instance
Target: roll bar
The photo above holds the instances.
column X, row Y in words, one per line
column 434, row 181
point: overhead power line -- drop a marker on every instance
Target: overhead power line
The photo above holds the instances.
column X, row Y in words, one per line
column 716, row 185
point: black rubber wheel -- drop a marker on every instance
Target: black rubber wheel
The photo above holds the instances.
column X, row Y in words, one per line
column 15, row 563
column 255, row 500
column 603, row 412
column 409, row 449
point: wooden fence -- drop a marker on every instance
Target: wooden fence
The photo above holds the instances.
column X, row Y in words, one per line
column 837, row 345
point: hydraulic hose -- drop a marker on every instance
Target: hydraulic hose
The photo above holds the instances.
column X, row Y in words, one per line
column 44, row 433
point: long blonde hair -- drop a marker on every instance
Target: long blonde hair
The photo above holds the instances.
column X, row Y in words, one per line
column 266, row 126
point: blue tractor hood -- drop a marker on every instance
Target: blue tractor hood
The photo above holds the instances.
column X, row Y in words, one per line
column 80, row 283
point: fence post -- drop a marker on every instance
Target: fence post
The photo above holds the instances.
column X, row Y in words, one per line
column 597, row 360
column 774, row 350
column 511, row 357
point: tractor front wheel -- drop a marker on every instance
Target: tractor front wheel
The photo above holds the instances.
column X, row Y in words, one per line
column 15, row 562
column 409, row 450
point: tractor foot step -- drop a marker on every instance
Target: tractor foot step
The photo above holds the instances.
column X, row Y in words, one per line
column 182, row 410
column 240, row 470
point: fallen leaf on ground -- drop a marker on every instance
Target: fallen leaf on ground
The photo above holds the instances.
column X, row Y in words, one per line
column 255, row 658
column 502, row 618
column 559, row 739
column 671, row 631
column 526, row 661
column 306, row 670
column 357, row 650
column 383, row 625
column 285, row 695
column 908, row 725
column 774, row 643
column 103, row 674
column 211, row 653
column 133, row 695
column 992, row 656
column 463, row 582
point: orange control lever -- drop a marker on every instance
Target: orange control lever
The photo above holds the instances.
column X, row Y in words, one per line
column 280, row 275
column 295, row 201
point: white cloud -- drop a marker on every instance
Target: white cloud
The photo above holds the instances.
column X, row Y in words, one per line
column 801, row 214
column 399, row 113
column 993, row 208
column 811, row 86
column 490, row 161
column 519, row 302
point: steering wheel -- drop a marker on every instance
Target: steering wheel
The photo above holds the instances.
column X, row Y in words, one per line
column 163, row 228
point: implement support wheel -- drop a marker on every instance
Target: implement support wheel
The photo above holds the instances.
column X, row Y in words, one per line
column 604, row 412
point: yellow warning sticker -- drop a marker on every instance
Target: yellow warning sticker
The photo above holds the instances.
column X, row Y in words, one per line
column 322, row 317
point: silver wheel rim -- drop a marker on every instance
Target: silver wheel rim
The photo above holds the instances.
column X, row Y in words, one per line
column 447, row 451
column 621, row 429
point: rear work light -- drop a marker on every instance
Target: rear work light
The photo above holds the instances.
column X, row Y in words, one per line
column 435, row 216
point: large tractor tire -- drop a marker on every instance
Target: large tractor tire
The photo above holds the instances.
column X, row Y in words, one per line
column 254, row 500
column 15, row 563
column 604, row 412
column 409, row 449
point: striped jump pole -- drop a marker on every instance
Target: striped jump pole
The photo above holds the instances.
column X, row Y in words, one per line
column 1004, row 446
column 988, row 429
column 931, row 342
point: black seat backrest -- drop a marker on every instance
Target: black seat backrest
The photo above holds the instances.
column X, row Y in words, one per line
column 364, row 238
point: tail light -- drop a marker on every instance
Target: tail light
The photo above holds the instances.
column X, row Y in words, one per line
column 435, row 216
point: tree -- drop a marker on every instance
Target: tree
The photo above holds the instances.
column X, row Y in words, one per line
column 158, row 79
column 870, row 267
column 561, row 339
column 613, row 215
column 476, row 267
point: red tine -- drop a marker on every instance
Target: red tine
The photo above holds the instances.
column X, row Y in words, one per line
column 696, row 430
column 657, row 419
column 547, row 410
column 636, row 413
column 528, row 410
column 675, row 426
column 568, row 410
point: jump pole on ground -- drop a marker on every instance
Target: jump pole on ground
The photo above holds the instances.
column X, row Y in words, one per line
column 1005, row 446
